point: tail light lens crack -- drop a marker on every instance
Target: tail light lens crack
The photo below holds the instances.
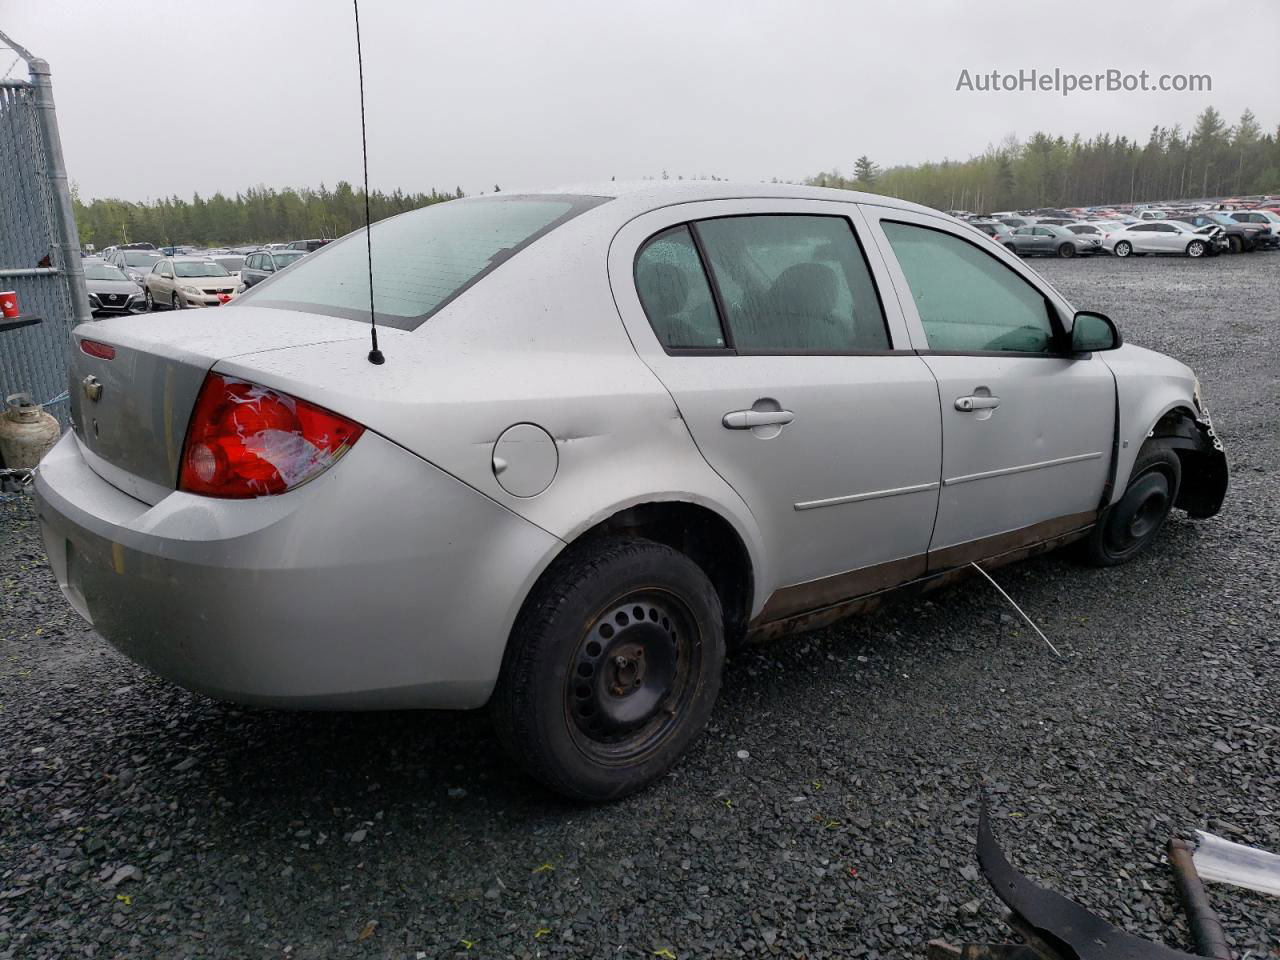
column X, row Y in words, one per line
column 246, row 440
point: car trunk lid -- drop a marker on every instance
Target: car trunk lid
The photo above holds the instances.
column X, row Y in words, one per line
column 132, row 395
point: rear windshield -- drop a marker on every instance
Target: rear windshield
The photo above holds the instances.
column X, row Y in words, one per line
column 421, row 259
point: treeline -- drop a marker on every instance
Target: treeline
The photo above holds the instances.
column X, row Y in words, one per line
column 1212, row 159
column 259, row 215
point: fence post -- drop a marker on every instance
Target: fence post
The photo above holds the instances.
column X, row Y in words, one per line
column 65, row 215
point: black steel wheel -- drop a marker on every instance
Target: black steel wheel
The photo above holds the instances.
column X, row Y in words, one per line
column 1131, row 523
column 1235, row 244
column 632, row 676
column 612, row 668
column 1123, row 248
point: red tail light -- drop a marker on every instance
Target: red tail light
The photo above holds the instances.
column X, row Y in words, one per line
column 248, row 441
column 103, row 351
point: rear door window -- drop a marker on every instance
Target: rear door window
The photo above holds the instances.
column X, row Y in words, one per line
column 793, row 284
column 675, row 294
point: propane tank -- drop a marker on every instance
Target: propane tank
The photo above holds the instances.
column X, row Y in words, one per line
column 27, row 433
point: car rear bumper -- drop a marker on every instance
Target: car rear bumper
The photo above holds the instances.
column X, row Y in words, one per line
column 383, row 583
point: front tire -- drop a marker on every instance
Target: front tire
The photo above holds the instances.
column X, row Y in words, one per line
column 177, row 302
column 148, row 300
column 1196, row 248
column 1066, row 251
column 612, row 668
column 1130, row 524
column 1123, row 248
column 1235, row 245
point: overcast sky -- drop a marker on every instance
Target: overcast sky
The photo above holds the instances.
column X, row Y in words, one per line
column 156, row 98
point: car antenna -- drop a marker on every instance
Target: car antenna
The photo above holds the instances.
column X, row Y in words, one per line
column 375, row 355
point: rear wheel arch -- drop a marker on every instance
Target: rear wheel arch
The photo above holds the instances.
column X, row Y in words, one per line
column 705, row 537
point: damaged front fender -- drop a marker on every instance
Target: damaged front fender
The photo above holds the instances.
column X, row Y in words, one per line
column 1205, row 475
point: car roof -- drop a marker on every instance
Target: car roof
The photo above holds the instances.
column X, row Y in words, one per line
column 189, row 258
column 643, row 195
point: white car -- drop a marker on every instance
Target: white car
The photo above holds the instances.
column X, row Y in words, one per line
column 612, row 431
column 1164, row 236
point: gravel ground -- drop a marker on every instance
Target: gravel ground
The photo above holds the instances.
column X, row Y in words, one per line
column 138, row 820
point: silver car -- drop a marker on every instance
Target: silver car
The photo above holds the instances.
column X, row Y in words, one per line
column 1051, row 240
column 618, row 430
column 176, row 283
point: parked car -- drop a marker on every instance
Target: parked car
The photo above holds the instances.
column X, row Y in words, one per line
column 1152, row 214
column 1263, row 218
column 135, row 264
column 1240, row 237
column 994, row 229
column 308, row 246
column 232, row 263
column 258, row 266
column 1048, row 240
column 180, row 282
column 110, row 290
column 1163, row 236
column 612, row 436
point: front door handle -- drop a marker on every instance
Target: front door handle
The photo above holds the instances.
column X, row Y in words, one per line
column 746, row 419
column 970, row 404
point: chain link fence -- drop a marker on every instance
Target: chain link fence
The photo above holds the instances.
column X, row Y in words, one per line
column 39, row 246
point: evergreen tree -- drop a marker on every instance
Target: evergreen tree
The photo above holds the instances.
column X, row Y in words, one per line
column 864, row 171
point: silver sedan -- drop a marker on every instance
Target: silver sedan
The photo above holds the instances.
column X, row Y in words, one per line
column 618, row 430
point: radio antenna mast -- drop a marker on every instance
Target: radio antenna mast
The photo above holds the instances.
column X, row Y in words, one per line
column 375, row 355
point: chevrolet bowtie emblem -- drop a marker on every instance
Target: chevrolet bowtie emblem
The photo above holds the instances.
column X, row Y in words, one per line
column 92, row 387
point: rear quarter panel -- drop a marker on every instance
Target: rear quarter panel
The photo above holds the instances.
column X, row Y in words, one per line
column 537, row 341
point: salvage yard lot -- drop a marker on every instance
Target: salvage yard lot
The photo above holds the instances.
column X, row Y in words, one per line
column 829, row 811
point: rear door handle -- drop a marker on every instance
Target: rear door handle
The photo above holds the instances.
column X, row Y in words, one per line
column 969, row 404
column 746, row 419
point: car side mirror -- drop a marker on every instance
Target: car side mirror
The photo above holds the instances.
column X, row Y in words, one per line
column 1093, row 331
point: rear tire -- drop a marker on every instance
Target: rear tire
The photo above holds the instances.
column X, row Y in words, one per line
column 1123, row 248
column 612, row 668
column 1066, row 251
column 1130, row 524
